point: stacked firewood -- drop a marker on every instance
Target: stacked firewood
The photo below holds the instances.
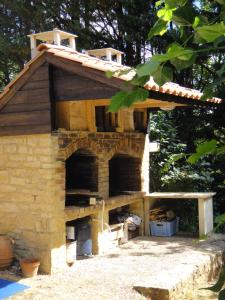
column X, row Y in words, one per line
column 161, row 213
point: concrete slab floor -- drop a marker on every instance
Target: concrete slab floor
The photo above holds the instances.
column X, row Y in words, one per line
column 147, row 262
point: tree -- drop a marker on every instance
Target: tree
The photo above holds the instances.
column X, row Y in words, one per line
column 123, row 25
column 197, row 46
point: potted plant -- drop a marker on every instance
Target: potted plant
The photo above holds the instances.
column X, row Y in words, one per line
column 29, row 266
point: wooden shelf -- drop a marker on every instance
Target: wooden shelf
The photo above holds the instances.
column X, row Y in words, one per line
column 81, row 192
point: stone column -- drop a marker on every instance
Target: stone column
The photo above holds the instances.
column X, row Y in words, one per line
column 145, row 167
column 103, row 177
column 99, row 231
column 205, row 215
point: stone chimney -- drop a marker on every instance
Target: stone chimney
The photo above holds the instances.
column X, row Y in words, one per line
column 54, row 37
column 107, row 54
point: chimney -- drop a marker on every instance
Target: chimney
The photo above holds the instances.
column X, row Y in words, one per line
column 107, row 54
column 54, row 37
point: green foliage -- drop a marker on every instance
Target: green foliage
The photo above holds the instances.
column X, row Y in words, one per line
column 201, row 41
column 211, row 32
column 159, row 28
column 126, row 99
column 162, row 74
column 204, row 148
column 184, row 16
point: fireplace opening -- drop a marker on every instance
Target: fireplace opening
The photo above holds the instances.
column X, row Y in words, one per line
column 124, row 174
column 81, row 177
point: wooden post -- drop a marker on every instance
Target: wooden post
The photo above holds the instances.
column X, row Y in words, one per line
column 119, row 58
column 205, row 215
column 146, row 215
column 72, row 43
column 108, row 55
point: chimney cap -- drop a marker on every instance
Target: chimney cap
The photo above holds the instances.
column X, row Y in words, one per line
column 102, row 51
column 49, row 35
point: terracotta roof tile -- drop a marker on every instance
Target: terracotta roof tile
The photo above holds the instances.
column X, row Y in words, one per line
column 98, row 64
column 102, row 65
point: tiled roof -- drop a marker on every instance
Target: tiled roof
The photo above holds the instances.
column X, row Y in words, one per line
column 103, row 65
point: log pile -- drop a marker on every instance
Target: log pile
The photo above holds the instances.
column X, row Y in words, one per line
column 161, row 213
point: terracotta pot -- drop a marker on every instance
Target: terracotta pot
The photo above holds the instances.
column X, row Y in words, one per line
column 29, row 266
column 6, row 251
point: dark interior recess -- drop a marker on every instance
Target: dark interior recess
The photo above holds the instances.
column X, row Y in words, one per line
column 82, row 229
column 82, row 171
column 124, row 174
column 105, row 121
column 139, row 121
column 81, row 175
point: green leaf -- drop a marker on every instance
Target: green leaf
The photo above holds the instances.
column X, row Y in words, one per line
column 211, row 32
column 117, row 101
column 193, row 158
column 126, row 99
column 199, row 21
column 177, row 51
column 218, row 286
column 139, row 81
column 162, row 75
column 158, row 3
column 159, row 28
column 182, row 64
column 184, row 16
column 205, row 148
column 165, row 14
column 148, row 68
column 221, row 295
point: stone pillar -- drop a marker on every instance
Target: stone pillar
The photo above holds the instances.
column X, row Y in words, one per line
column 145, row 167
column 99, row 229
column 103, row 176
column 205, row 215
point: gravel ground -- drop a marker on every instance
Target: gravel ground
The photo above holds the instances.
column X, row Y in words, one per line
column 112, row 277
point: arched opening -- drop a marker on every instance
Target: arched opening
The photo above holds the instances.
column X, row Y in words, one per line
column 81, row 177
column 124, row 174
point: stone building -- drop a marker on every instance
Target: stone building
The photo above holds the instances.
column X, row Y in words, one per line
column 59, row 145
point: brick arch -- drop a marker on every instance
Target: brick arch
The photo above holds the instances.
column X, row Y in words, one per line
column 126, row 147
column 81, row 144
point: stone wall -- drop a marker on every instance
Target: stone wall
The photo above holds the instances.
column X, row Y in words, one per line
column 32, row 203
column 32, row 184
